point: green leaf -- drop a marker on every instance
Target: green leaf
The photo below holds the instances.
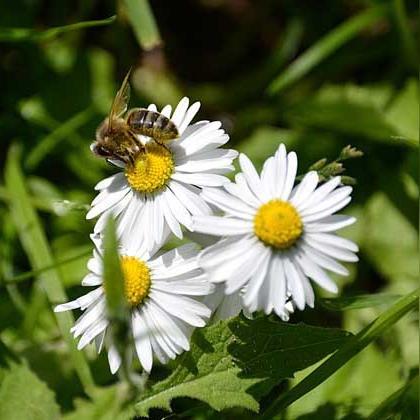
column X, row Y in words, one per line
column 23, row 396
column 402, row 404
column 143, row 22
column 403, row 113
column 330, row 107
column 39, row 254
column 106, row 404
column 345, row 353
column 233, row 363
column 325, row 47
column 359, row 301
column 27, row 34
column 390, row 243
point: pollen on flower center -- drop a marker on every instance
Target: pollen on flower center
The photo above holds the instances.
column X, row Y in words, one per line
column 151, row 170
column 278, row 224
column 136, row 279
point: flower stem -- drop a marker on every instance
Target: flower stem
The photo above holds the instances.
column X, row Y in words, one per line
column 354, row 346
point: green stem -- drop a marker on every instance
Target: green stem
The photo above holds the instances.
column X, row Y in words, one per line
column 354, row 346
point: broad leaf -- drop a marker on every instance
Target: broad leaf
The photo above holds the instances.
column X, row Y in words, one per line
column 23, row 396
column 233, row 363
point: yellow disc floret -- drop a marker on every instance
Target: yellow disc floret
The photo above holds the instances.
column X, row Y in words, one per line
column 136, row 279
column 151, row 170
column 278, row 224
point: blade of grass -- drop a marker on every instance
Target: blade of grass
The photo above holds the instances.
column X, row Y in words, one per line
column 143, row 22
column 358, row 301
column 409, row 45
column 352, row 347
column 117, row 307
column 37, row 248
column 33, row 273
column 325, row 47
column 61, row 132
column 28, row 34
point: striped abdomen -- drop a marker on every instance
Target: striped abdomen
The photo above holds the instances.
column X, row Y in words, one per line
column 152, row 124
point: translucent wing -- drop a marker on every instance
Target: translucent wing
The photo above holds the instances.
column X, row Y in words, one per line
column 120, row 104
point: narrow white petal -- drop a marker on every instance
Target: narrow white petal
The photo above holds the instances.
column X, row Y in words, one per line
column 316, row 273
column 189, row 115
column 201, row 179
column 320, row 193
column 305, row 188
column 294, row 283
column 94, row 330
column 142, row 340
column 170, row 218
column 190, row 196
column 329, row 201
column 256, row 281
column 332, row 251
column 290, row 176
column 231, row 205
column 178, row 210
column 180, row 111
column 241, row 190
column 114, row 359
column 108, row 201
column 166, row 111
column 115, row 181
column 281, row 169
column 320, row 215
column 334, row 240
column 221, row 226
column 330, row 223
column 252, row 178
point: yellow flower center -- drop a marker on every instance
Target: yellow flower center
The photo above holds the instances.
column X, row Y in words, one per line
column 136, row 279
column 278, row 224
column 151, row 170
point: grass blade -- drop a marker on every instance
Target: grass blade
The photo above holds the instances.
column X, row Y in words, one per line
column 39, row 254
column 358, row 301
column 61, row 132
column 325, row 47
column 143, row 22
column 27, row 34
column 354, row 346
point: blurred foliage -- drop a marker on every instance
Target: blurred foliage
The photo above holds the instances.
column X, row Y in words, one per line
column 315, row 77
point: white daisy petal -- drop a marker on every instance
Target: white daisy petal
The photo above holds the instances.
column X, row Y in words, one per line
column 334, row 252
column 294, row 283
column 320, row 193
column 331, row 200
column 189, row 115
column 201, row 179
column 327, row 212
column 281, row 169
column 241, row 190
column 290, row 176
column 256, row 281
column 114, row 359
column 213, row 225
column 252, row 177
column 324, row 260
column 142, row 340
column 180, row 111
column 334, row 240
column 166, row 111
column 191, row 199
column 107, row 201
column 330, row 223
column 305, row 188
column 117, row 181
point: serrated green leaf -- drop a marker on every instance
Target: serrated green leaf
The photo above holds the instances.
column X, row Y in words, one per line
column 233, row 363
column 23, row 396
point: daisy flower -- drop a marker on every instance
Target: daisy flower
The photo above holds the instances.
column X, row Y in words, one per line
column 276, row 236
column 162, row 294
column 160, row 192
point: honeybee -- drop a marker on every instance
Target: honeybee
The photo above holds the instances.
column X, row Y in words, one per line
column 116, row 136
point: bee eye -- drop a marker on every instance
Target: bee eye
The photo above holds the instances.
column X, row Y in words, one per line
column 101, row 151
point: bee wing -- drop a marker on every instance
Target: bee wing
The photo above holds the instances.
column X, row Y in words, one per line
column 120, row 103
